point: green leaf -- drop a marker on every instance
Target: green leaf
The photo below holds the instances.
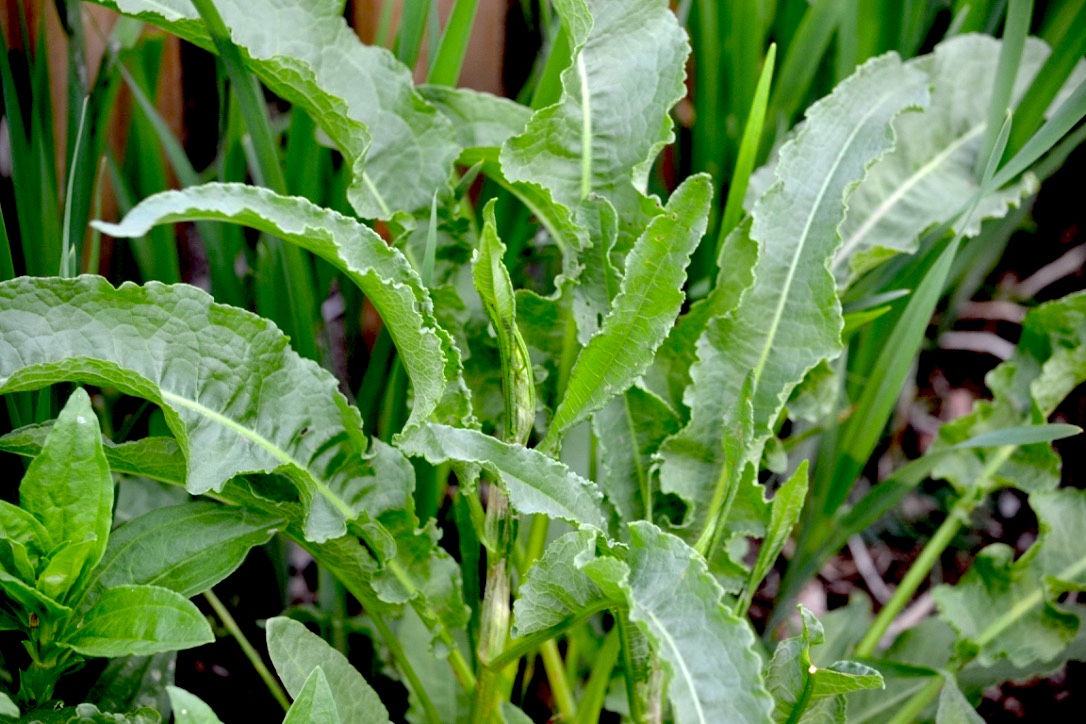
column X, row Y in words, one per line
column 642, row 313
column 186, row 548
column 380, row 271
column 64, row 576
column 138, row 620
column 609, row 123
column 353, row 91
column 708, row 652
column 557, row 591
column 7, row 706
column 789, row 319
column 629, row 429
column 480, row 120
column 534, row 482
column 134, row 681
column 19, row 526
column 1008, row 608
column 68, row 486
column 314, row 703
column 954, row 708
column 31, row 602
column 797, row 683
column 226, row 380
column 929, row 176
column 190, row 709
column 787, row 505
column 296, row 652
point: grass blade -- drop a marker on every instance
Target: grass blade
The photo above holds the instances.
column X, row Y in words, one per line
column 445, row 66
column 1010, row 57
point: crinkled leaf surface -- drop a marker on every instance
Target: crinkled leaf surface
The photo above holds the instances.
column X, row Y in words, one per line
column 930, row 175
column 399, row 147
column 139, row 620
column 534, row 482
column 480, row 120
column 708, row 652
column 68, row 486
column 643, row 311
column 1007, row 608
column 296, row 652
column 236, row 397
column 612, row 117
column 789, row 319
column 380, row 271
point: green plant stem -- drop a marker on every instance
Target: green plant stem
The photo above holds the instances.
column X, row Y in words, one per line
column 804, row 699
column 406, row 669
column 921, row 567
column 596, row 690
column 556, row 675
column 250, row 652
column 919, row 701
column 637, row 709
column 917, row 573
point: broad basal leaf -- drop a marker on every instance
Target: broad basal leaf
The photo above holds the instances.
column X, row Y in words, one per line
column 795, row 682
column 69, row 489
column 609, row 123
column 1008, row 608
column 789, row 319
column 139, row 620
column 930, row 175
column 400, row 148
column 534, row 482
column 237, row 399
column 380, row 271
column 480, row 120
column 643, row 311
column 296, row 653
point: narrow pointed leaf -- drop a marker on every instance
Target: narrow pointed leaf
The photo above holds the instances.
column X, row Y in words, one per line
column 296, row 652
column 789, row 319
column 314, row 702
column 380, row 271
column 787, row 505
column 954, row 708
column 399, row 148
column 643, row 312
column 138, row 620
column 534, row 482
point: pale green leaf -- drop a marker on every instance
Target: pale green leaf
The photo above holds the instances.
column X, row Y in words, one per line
column 7, row 706
column 314, row 703
column 68, row 486
column 296, row 652
column 186, row 548
column 709, row 654
column 189, row 708
column 1007, row 608
column 236, row 397
column 534, row 482
column 138, row 620
column 557, row 591
column 954, row 708
column 19, row 526
column 789, row 319
column 929, row 176
column 642, row 313
column 380, row 271
column 480, row 120
column 609, row 123
column 400, row 149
